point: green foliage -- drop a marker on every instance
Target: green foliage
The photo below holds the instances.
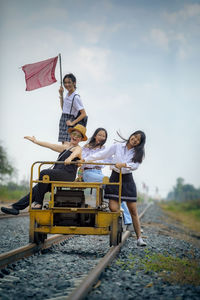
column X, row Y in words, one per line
column 170, row 268
column 12, row 191
column 184, row 192
column 173, row 269
column 186, row 212
column 5, row 166
column 126, row 265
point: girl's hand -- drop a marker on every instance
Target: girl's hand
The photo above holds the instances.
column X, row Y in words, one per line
column 67, row 161
column 31, row 138
column 69, row 123
column 120, row 165
column 88, row 161
column 81, row 165
column 61, row 90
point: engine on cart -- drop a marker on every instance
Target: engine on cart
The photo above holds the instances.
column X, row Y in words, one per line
column 72, row 199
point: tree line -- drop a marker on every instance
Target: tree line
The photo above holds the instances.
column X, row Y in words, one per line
column 182, row 192
column 5, row 166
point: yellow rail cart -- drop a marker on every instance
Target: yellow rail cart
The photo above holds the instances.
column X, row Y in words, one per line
column 70, row 212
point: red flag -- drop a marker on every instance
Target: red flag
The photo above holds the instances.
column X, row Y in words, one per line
column 40, row 74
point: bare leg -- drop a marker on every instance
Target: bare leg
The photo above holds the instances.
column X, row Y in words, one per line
column 113, row 205
column 134, row 214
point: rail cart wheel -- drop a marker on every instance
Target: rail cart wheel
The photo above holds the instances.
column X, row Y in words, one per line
column 116, row 238
column 39, row 237
column 120, row 230
column 113, row 239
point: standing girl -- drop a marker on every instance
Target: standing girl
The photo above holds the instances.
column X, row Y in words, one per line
column 92, row 173
column 127, row 156
column 72, row 108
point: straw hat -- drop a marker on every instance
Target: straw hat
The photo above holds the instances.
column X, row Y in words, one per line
column 79, row 128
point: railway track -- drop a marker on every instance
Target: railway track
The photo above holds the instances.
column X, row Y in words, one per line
column 28, row 250
column 22, row 214
column 85, row 282
column 89, row 281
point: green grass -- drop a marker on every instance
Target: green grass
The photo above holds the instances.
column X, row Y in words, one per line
column 171, row 269
column 7, row 195
column 188, row 213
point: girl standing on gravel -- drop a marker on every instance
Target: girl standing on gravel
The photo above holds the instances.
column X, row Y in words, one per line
column 127, row 156
column 60, row 172
column 72, row 108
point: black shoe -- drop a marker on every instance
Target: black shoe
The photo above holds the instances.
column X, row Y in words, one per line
column 10, row 211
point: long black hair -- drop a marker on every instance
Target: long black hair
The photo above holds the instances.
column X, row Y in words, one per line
column 72, row 77
column 139, row 149
column 92, row 142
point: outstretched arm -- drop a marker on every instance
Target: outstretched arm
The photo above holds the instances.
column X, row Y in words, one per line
column 106, row 153
column 54, row 147
column 76, row 152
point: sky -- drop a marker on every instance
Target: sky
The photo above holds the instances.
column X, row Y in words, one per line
column 137, row 67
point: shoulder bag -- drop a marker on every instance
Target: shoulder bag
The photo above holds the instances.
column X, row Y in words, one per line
column 83, row 122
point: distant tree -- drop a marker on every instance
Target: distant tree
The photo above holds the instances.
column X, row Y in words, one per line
column 183, row 192
column 5, row 166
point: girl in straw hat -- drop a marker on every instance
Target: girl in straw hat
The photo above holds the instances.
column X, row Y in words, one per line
column 71, row 151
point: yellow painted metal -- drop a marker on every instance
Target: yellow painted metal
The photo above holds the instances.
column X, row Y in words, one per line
column 104, row 219
column 105, row 180
column 120, row 187
column 73, row 230
column 31, row 228
column 44, row 218
column 45, row 179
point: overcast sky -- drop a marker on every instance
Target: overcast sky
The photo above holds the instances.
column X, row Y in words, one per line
column 137, row 66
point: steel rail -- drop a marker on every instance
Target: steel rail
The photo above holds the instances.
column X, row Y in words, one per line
column 28, row 250
column 88, row 282
column 4, row 216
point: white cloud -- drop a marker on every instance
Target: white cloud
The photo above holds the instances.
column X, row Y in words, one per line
column 94, row 33
column 50, row 14
column 170, row 41
column 182, row 54
column 189, row 11
column 91, row 33
column 160, row 38
column 94, row 61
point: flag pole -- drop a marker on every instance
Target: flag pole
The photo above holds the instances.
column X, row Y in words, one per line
column 59, row 55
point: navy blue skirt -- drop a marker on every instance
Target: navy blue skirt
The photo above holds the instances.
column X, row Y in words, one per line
column 129, row 192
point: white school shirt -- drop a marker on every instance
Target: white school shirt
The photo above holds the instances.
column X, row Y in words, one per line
column 119, row 154
column 77, row 105
column 87, row 152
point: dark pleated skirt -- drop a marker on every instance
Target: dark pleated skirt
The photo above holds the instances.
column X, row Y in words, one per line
column 129, row 192
column 63, row 134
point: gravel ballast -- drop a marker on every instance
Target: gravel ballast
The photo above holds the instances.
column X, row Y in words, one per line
column 54, row 272
column 125, row 279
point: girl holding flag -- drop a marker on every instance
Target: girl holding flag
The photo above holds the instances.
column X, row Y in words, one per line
column 73, row 111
